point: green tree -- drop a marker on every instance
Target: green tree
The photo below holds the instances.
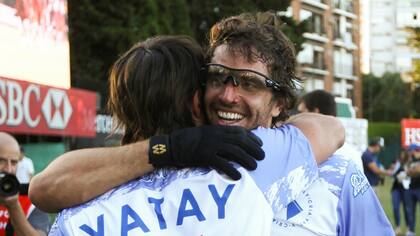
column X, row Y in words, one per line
column 101, row 30
column 386, row 98
column 204, row 14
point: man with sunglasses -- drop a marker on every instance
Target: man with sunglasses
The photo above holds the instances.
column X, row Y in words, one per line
column 247, row 85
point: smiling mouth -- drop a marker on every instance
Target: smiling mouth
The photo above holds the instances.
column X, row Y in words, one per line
column 229, row 115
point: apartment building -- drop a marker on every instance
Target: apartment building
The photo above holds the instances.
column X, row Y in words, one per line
column 330, row 58
column 388, row 37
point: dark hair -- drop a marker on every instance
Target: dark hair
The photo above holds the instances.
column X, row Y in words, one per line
column 152, row 86
column 322, row 100
column 257, row 37
column 376, row 141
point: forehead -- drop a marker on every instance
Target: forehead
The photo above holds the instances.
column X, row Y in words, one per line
column 9, row 152
column 9, row 148
column 230, row 59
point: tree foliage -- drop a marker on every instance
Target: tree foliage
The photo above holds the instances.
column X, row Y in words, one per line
column 386, row 98
column 100, row 31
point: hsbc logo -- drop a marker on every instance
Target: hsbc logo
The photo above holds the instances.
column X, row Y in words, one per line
column 56, row 109
column 24, row 106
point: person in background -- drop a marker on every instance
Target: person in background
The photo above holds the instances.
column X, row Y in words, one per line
column 17, row 214
column 25, row 168
column 399, row 190
column 372, row 170
column 413, row 198
column 323, row 102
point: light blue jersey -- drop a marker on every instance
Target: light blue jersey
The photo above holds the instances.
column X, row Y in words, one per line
column 339, row 202
column 286, row 194
column 200, row 201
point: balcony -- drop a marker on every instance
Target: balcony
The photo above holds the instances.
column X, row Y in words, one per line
column 345, row 8
column 317, row 3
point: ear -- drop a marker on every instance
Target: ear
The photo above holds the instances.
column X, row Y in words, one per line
column 197, row 114
column 277, row 107
column 316, row 110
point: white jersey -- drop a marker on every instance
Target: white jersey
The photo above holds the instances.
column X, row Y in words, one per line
column 286, row 195
column 170, row 202
column 200, row 201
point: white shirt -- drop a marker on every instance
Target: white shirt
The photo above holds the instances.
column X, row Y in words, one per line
column 25, row 170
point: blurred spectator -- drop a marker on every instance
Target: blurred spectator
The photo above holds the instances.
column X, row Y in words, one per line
column 372, row 170
column 399, row 189
column 25, row 168
column 413, row 198
column 17, row 214
column 323, row 102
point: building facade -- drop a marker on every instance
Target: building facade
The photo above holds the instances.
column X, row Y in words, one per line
column 330, row 58
column 388, row 36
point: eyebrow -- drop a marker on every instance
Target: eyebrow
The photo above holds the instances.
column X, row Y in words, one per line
column 6, row 159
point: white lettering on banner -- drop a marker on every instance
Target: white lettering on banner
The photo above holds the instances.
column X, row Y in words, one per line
column 26, row 105
column 105, row 125
column 412, row 135
column 16, row 104
column 131, row 219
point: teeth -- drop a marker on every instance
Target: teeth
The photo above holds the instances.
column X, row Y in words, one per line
column 229, row 115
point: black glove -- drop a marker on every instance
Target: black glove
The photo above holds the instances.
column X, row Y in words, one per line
column 207, row 146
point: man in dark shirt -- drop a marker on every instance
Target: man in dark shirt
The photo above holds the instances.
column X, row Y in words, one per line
column 370, row 162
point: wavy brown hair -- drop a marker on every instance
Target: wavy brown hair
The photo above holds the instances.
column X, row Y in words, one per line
column 257, row 37
column 152, row 86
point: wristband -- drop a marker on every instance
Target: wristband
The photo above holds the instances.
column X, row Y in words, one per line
column 159, row 153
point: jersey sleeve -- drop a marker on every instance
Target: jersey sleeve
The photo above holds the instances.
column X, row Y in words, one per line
column 289, row 165
column 359, row 210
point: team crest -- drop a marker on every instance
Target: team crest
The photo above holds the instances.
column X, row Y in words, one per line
column 359, row 182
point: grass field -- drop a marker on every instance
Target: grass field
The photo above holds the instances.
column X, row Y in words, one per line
column 384, row 194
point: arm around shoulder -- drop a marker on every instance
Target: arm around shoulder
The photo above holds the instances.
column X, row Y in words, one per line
column 325, row 133
column 78, row 176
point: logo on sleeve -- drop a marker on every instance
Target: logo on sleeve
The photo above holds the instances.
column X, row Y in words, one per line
column 159, row 149
column 359, row 182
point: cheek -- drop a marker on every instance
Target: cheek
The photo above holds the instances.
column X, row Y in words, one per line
column 209, row 97
column 266, row 105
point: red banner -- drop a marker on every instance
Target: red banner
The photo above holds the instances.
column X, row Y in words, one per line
column 410, row 132
column 36, row 109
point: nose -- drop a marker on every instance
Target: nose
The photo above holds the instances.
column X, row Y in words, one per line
column 229, row 93
column 9, row 167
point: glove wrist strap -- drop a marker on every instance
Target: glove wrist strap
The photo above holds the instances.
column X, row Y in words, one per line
column 159, row 153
